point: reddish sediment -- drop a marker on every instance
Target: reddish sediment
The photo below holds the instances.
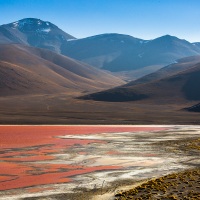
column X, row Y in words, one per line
column 35, row 189
column 113, row 153
column 22, row 147
column 29, row 158
column 23, row 136
column 24, row 180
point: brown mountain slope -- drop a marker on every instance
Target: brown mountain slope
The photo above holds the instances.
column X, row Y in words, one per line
column 184, row 86
column 17, row 80
column 28, row 70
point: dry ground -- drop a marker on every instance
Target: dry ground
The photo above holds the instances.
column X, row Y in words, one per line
column 182, row 186
column 178, row 186
column 64, row 109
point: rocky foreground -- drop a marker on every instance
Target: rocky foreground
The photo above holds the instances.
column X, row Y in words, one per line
column 183, row 185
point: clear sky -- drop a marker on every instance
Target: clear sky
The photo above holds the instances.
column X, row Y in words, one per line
column 145, row 19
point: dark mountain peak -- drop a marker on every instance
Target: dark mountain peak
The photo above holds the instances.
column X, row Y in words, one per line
column 109, row 35
column 34, row 32
column 170, row 38
column 113, row 37
column 29, row 21
column 167, row 36
column 33, row 25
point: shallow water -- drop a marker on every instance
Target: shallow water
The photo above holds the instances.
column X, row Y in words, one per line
column 44, row 160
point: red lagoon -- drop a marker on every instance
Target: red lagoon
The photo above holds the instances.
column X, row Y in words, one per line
column 27, row 153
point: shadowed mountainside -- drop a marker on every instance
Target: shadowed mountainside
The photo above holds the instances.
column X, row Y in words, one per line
column 194, row 108
column 183, row 86
column 169, row 70
column 28, row 70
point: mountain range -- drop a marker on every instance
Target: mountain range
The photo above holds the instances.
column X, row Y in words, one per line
column 112, row 52
column 116, row 52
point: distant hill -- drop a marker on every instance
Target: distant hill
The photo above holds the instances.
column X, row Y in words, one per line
column 34, row 32
column 117, row 52
column 28, row 70
column 102, row 50
column 169, row 70
column 182, row 86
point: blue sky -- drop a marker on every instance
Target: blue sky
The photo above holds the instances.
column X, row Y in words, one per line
column 146, row 19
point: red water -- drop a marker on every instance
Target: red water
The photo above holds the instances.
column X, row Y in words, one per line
column 23, row 147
